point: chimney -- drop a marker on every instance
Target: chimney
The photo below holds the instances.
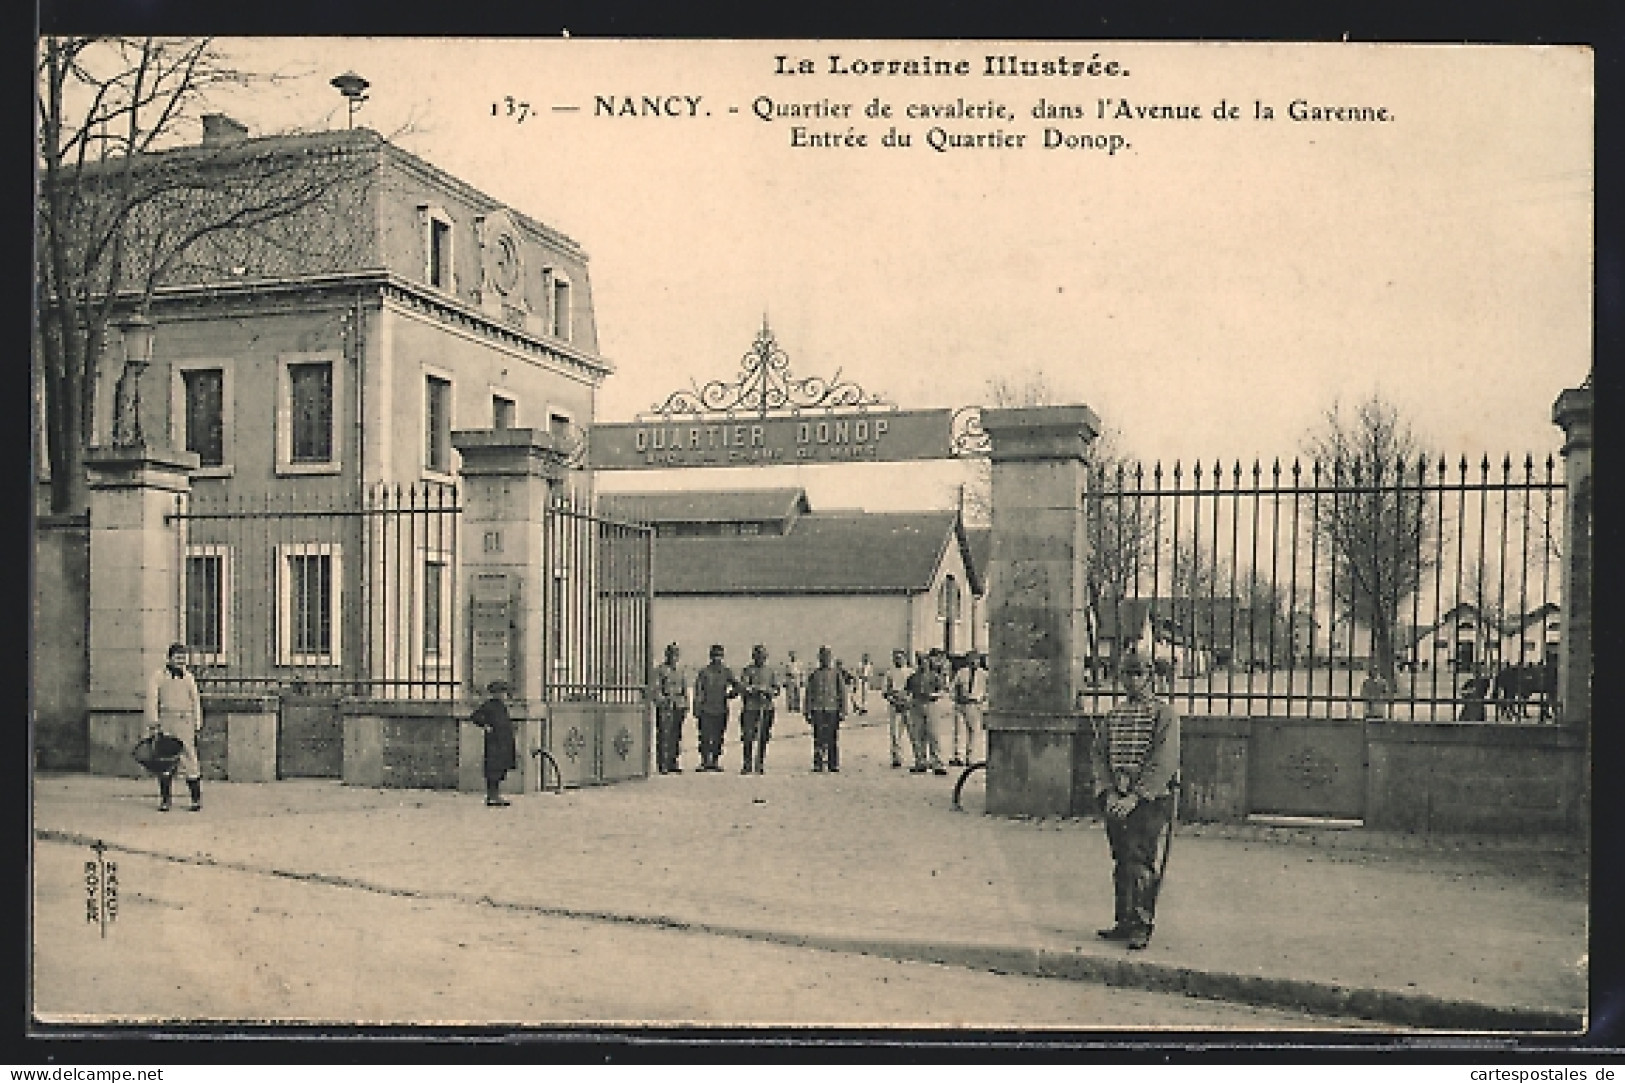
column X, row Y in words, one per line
column 219, row 130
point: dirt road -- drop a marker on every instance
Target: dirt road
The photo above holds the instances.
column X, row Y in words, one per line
column 200, row 942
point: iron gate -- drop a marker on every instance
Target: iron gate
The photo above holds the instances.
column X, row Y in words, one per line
column 597, row 614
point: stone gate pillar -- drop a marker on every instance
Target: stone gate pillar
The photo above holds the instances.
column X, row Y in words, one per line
column 136, row 555
column 507, row 479
column 1037, row 761
column 1573, row 411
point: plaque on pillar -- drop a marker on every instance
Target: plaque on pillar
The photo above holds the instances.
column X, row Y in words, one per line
column 491, row 612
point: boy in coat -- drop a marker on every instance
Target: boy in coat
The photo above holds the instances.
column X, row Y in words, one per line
column 500, row 754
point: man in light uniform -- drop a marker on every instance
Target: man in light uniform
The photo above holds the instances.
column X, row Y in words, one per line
column 174, row 708
column 899, row 699
column 794, row 678
column 928, row 686
column 970, row 696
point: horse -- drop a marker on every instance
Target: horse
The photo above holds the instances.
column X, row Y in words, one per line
column 1516, row 685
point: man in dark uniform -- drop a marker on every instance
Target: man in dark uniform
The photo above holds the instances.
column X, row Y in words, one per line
column 1135, row 759
column 670, row 696
column 760, row 683
column 714, row 686
column 500, row 754
column 825, row 706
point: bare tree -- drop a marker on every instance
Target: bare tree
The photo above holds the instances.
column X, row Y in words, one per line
column 1002, row 391
column 1120, row 524
column 1375, row 522
column 122, row 211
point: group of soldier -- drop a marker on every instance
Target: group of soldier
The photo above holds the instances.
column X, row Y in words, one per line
column 1134, row 756
column 924, row 700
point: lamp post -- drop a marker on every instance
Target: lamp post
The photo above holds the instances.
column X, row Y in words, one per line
column 354, row 89
column 137, row 332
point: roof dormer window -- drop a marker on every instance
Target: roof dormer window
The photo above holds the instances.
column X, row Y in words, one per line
column 438, row 248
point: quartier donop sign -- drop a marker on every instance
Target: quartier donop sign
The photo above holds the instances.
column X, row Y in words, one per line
column 676, row 441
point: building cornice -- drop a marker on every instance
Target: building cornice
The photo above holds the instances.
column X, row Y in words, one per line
column 411, row 296
column 400, row 291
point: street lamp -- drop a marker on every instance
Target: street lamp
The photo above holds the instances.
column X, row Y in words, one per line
column 354, row 89
column 137, row 332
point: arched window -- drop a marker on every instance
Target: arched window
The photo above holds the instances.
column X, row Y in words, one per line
column 948, row 600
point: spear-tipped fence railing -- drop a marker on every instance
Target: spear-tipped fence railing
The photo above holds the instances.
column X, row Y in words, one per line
column 1415, row 590
column 329, row 594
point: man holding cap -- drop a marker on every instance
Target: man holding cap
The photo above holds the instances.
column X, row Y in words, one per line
column 1135, row 759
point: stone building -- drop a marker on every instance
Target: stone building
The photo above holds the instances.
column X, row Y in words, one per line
column 754, row 566
column 319, row 363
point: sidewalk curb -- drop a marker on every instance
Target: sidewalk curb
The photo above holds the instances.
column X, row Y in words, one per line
column 1317, row 998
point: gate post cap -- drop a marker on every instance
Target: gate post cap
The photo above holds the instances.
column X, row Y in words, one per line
column 532, row 452
column 1040, row 432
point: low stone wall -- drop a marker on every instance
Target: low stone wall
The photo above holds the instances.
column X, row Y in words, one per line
column 1424, row 778
column 1213, row 768
column 60, row 654
column 1442, row 778
column 402, row 743
column 238, row 740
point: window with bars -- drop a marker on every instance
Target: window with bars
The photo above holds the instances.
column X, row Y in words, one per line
column 207, row 603
column 205, row 414
column 308, row 605
column 310, row 391
column 437, row 424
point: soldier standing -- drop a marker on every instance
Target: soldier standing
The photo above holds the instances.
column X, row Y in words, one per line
column 825, row 706
column 970, row 696
column 670, row 695
column 714, row 686
column 1135, row 758
column 866, row 677
column 760, row 683
column 899, row 700
column 792, row 683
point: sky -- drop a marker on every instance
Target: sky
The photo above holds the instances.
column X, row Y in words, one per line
column 1209, row 289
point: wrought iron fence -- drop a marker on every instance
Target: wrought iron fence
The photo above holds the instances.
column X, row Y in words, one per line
column 599, row 606
column 322, row 594
column 1417, row 590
